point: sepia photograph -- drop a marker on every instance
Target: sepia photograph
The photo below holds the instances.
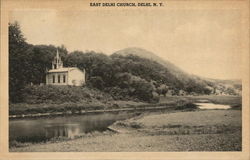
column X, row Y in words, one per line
column 126, row 77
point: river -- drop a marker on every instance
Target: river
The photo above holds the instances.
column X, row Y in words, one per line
column 45, row 128
column 70, row 126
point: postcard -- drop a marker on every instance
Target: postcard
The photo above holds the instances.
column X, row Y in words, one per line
column 124, row 79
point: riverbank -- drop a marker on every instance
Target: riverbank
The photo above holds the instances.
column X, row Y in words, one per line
column 200, row 130
column 22, row 110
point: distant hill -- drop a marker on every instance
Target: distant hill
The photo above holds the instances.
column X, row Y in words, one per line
column 150, row 55
column 173, row 69
column 232, row 87
column 218, row 86
column 176, row 71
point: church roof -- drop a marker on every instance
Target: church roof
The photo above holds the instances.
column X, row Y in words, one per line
column 64, row 69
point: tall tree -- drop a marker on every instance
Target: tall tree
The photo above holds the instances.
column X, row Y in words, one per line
column 18, row 62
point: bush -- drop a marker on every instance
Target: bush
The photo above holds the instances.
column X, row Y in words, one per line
column 61, row 94
column 186, row 106
column 135, row 87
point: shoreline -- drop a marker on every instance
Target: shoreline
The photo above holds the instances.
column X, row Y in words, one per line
column 168, row 102
column 146, row 133
column 89, row 112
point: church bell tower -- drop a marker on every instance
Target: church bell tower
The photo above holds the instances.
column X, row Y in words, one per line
column 57, row 62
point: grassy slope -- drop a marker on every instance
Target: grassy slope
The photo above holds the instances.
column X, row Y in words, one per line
column 203, row 118
column 49, row 99
column 154, row 134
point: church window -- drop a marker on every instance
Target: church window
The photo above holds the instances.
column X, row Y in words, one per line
column 64, row 78
column 58, row 78
column 53, row 78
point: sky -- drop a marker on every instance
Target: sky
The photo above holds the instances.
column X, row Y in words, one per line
column 201, row 42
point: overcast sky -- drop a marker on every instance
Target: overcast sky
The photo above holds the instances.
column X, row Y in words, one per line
column 202, row 42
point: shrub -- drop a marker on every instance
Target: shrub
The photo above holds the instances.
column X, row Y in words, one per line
column 134, row 86
column 186, row 106
column 61, row 94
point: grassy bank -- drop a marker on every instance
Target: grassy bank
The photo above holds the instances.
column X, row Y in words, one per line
column 208, row 130
column 93, row 103
column 64, row 99
column 234, row 101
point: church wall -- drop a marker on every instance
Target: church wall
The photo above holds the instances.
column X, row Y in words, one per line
column 76, row 77
column 49, row 78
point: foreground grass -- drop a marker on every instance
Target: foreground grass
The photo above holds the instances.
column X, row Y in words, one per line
column 142, row 143
column 208, row 130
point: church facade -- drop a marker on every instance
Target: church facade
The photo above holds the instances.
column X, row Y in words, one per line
column 60, row 75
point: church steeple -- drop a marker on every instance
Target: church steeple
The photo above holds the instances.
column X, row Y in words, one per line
column 57, row 62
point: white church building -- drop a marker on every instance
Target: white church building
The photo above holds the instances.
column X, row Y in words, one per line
column 60, row 75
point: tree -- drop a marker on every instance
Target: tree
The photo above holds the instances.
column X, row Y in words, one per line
column 96, row 82
column 40, row 60
column 27, row 63
column 18, row 62
column 162, row 89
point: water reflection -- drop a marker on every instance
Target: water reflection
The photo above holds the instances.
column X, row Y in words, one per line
column 212, row 106
column 67, row 130
column 43, row 129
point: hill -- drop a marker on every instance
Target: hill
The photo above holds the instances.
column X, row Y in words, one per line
column 173, row 69
column 150, row 55
column 214, row 85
